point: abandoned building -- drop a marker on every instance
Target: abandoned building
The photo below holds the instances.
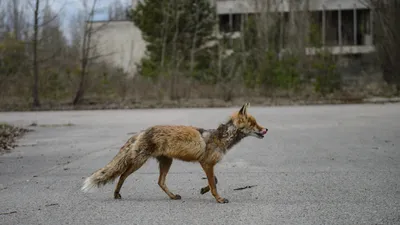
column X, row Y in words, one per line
column 344, row 27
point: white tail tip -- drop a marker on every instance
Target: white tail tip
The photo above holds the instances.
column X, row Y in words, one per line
column 88, row 184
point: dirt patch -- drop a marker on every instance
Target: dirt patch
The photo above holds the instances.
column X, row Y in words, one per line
column 9, row 135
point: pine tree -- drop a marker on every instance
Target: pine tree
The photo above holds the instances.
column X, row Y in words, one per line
column 175, row 31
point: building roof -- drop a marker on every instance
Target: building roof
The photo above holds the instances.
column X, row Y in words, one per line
column 252, row 6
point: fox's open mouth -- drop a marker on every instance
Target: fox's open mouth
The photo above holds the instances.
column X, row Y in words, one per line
column 261, row 134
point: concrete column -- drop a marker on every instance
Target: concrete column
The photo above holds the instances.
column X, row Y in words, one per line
column 340, row 25
column 216, row 27
column 230, row 25
column 323, row 25
column 281, row 32
column 355, row 24
column 242, row 18
column 371, row 21
column 230, row 20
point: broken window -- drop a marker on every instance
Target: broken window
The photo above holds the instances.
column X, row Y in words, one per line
column 230, row 22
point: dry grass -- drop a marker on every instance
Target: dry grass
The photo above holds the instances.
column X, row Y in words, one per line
column 123, row 93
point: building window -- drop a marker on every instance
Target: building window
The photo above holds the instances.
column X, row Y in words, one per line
column 230, row 22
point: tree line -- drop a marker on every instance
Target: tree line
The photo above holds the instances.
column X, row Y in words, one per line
column 186, row 56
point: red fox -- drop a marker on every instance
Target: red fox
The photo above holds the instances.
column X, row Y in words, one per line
column 186, row 143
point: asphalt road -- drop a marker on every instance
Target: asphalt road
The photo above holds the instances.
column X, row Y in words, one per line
column 317, row 165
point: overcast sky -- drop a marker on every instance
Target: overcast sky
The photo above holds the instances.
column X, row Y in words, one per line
column 68, row 8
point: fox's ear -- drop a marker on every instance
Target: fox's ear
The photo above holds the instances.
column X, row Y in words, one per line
column 243, row 110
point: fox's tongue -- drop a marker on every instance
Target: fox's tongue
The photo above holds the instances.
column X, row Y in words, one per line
column 263, row 132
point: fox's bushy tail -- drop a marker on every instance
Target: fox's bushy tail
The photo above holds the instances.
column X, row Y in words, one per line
column 119, row 164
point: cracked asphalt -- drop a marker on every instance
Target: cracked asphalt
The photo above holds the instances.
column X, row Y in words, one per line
column 317, row 165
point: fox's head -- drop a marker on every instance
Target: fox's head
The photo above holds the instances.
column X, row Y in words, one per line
column 247, row 124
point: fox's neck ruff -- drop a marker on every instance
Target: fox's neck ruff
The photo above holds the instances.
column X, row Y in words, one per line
column 227, row 135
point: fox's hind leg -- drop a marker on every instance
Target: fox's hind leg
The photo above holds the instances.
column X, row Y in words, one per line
column 207, row 188
column 138, row 162
column 165, row 164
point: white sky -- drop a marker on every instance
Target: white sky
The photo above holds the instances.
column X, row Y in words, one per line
column 68, row 9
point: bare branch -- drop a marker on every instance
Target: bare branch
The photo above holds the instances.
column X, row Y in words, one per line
column 35, row 89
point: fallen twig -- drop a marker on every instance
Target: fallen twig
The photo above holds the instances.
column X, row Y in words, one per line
column 241, row 188
column 8, row 213
column 52, row 204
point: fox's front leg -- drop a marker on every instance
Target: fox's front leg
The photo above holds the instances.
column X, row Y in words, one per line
column 209, row 170
column 207, row 188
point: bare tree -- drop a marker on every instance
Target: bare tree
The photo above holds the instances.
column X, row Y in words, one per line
column 116, row 11
column 193, row 48
column 15, row 18
column 166, row 26
column 43, row 54
column 52, row 39
column 386, row 31
column 15, row 4
column 35, row 88
column 13, row 55
column 88, row 49
column 2, row 20
column 85, row 52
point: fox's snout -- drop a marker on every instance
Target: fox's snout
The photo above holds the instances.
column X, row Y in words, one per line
column 264, row 131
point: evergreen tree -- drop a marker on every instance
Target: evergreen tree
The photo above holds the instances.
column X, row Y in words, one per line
column 175, row 31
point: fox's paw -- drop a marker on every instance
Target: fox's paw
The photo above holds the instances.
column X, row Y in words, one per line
column 222, row 200
column 204, row 190
column 176, row 197
column 117, row 196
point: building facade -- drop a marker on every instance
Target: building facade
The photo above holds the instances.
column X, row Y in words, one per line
column 119, row 43
column 346, row 27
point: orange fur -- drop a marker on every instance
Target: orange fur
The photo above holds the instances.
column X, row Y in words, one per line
column 186, row 143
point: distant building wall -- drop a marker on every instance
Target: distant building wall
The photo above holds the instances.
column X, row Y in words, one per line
column 120, row 43
column 254, row 6
column 346, row 25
